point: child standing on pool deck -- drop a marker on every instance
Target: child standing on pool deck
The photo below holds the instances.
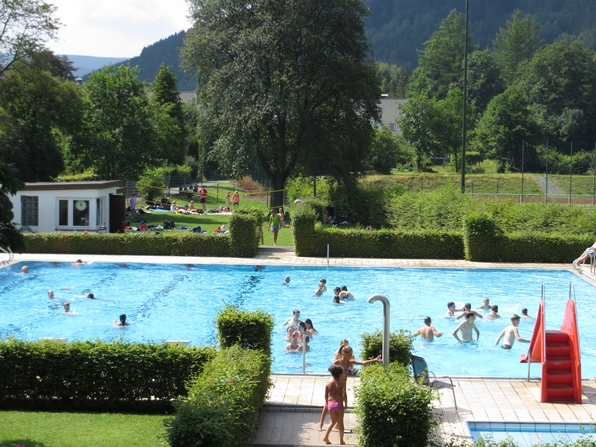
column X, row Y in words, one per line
column 337, row 399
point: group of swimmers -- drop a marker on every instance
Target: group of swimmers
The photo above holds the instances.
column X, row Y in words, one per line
column 464, row 332
column 341, row 295
column 298, row 332
column 90, row 296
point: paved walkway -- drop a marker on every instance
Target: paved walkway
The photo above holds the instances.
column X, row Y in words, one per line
column 291, row 415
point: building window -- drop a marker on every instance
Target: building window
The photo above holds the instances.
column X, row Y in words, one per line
column 63, row 213
column 392, row 127
column 30, row 210
column 80, row 213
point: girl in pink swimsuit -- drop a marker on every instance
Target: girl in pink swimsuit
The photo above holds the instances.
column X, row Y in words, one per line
column 337, row 400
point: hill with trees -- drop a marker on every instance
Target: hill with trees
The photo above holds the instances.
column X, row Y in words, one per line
column 398, row 29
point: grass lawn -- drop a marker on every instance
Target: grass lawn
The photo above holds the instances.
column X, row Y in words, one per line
column 209, row 222
column 37, row 429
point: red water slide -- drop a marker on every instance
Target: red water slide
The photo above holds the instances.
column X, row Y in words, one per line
column 558, row 352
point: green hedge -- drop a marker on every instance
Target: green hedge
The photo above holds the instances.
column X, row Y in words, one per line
column 251, row 330
column 100, row 376
column 174, row 243
column 359, row 243
column 392, row 409
column 244, row 229
column 400, row 346
column 485, row 242
column 241, row 241
column 223, row 402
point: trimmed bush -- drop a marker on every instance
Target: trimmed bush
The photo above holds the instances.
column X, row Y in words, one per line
column 360, row 243
column 400, row 346
column 223, row 402
column 303, row 227
column 100, row 376
column 176, row 243
column 392, row 409
column 250, row 330
column 482, row 239
column 244, row 230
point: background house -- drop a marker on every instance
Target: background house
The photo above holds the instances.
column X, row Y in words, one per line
column 68, row 206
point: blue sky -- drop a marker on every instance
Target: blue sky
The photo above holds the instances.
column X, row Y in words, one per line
column 116, row 28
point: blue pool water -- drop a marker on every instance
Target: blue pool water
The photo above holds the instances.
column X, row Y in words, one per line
column 180, row 302
column 531, row 434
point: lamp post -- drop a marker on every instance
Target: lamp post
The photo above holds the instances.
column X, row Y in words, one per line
column 463, row 118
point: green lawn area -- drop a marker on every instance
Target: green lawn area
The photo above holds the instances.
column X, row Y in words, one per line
column 40, row 429
column 209, row 222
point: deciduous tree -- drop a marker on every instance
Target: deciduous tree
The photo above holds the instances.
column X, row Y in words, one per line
column 41, row 114
column 119, row 139
column 25, row 27
column 284, row 83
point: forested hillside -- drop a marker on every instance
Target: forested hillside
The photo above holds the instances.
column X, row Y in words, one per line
column 165, row 51
column 396, row 29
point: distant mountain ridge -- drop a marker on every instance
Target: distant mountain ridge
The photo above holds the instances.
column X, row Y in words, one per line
column 397, row 29
column 87, row 64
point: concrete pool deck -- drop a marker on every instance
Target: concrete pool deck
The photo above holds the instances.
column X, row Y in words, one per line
column 291, row 414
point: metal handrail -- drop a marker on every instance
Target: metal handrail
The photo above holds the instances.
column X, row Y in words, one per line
column 10, row 255
column 543, row 301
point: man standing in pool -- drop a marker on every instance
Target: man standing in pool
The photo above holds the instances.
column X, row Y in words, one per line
column 510, row 334
column 427, row 332
column 466, row 327
column 294, row 320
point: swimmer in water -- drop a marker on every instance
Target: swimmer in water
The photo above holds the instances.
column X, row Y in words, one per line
column 90, row 296
column 294, row 320
column 468, row 310
column 510, row 334
column 77, row 263
column 450, row 309
column 494, row 313
column 336, row 300
column 24, row 269
column 286, row 281
column 466, row 327
column 66, row 305
column 427, row 332
column 485, row 304
column 122, row 321
column 51, row 294
column 345, row 295
column 525, row 314
column 322, row 288
column 293, row 345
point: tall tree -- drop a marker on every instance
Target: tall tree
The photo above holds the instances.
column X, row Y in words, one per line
column 25, row 27
column 517, row 42
column 484, row 79
column 560, row 81
column 10, row 237
column 393, row 80
column 169, row 116
column 41, row 114
column 509, row 122
column 417, row 123
column 440, row 63
column 118, row 140
column 285, row 83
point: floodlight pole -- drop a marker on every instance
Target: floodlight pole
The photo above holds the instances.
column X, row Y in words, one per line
column 463, row 118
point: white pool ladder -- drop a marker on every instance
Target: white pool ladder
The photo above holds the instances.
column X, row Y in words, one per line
column 10, row 254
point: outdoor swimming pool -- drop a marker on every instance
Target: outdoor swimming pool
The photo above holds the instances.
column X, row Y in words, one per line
column 174, row 302
column 531, row 434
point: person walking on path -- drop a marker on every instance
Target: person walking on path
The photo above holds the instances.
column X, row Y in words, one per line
column 337, row 400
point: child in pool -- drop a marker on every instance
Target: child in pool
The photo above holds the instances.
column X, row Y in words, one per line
column 322, row 288
column 337, row 399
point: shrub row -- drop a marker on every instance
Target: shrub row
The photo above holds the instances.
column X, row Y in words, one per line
column 481, row 240
column 392, row 409
column 400, row 346
column 241, row 241
column 223, row 402
column 100, row 376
